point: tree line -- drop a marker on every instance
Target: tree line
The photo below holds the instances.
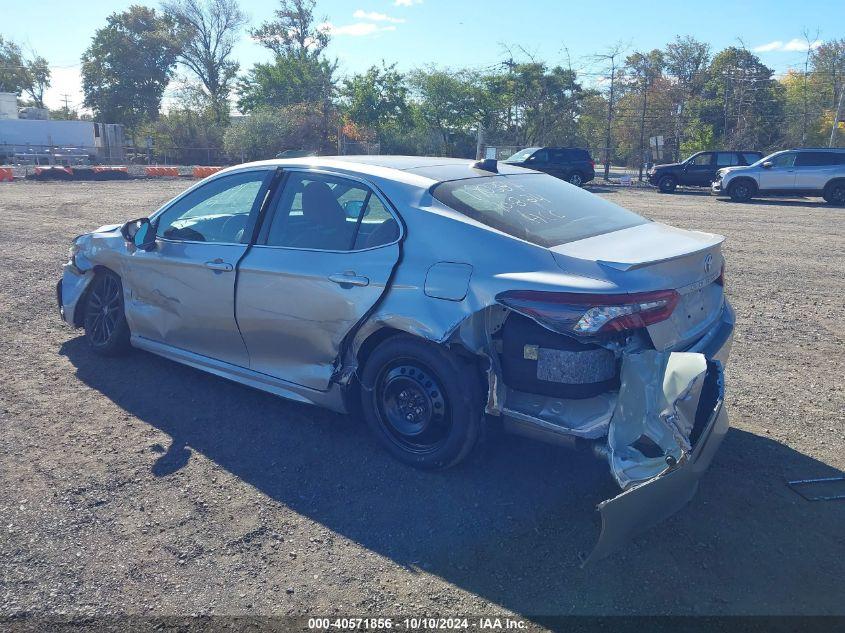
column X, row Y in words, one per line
column 693, row 97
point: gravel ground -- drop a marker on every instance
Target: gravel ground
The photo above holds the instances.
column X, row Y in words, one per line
column 144, row 487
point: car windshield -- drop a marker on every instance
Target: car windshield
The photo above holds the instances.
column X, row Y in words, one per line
column 521, row 155
column 535, row 207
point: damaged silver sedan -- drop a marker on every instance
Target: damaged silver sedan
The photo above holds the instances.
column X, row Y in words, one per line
column 433, row 295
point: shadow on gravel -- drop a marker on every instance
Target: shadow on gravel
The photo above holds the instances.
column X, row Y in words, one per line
column 509, row 525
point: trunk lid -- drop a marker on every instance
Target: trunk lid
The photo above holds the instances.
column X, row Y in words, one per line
column 655, row 256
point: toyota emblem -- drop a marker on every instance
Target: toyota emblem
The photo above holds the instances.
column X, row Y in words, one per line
column 708, row 263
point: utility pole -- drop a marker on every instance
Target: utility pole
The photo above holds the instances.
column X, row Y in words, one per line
column 811, row 41
column 836, row 117
column 610, row 56
column 609, row 118
column 65, row 96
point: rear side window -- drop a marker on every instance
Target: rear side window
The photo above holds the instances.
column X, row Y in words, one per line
column 817, row 159
column 750, row 159
column 535, row 207
column 726, row 159
column 324, row 212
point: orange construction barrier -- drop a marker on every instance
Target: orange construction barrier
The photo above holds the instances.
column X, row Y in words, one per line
column 98, row 169
column 6, row 174
column 202, row 172
column 162, row 171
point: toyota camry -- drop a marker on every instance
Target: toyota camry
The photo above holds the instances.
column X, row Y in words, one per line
column 433, row 296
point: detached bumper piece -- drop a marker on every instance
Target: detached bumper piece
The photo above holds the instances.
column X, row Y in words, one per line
column 668, row 424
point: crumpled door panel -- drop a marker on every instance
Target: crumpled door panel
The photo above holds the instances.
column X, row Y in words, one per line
column 685, row 396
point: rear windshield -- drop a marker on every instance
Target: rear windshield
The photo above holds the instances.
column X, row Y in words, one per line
column 535, row 207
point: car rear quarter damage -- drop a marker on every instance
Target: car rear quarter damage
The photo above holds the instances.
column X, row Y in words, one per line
column 647, row 400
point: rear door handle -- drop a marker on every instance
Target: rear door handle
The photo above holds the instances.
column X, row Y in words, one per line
column 219, row 264
column 349, row 278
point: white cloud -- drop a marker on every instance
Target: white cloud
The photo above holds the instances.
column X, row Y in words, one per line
column 374, row 16
column 406, row 3
column 357, row 29
column 792, row 46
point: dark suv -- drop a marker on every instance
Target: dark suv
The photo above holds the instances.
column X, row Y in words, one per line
column 699, row 170
column 567, row 163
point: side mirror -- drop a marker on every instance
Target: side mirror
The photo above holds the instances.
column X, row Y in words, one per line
column 140, row 232
column 768, row 164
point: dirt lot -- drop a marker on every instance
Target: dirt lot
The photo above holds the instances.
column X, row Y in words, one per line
column 141, row 486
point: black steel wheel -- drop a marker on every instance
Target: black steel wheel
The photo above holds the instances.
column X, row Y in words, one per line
column 667, row 184
column 412, row 406
column 742, row 190
column 103, row 318
column 575, row 178
column 422, row 402
column 834, row 193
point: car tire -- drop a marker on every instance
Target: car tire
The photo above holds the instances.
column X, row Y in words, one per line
column 576, row 178
column 742, row 190
column 422, row 402
column 834, row 193
column 103, row 318
column 667, row 184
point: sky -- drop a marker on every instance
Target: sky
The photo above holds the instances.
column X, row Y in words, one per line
column 464, row 33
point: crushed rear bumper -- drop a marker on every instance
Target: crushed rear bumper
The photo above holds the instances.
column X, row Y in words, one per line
column 643, row 505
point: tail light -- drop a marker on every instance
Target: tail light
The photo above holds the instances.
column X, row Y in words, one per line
column 591, row 314
column 592, row 163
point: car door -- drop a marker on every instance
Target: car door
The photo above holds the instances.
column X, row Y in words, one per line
column 699, row 170
column 780, row 174
column 181, row 293
column 324, row 255
column 813, row 170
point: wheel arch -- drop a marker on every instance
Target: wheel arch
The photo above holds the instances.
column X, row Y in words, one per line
column 83, row 299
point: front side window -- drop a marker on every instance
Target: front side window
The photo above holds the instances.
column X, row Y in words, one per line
column 750, row 159
column 218, row 211
column 702, row 160
column 324, row 212
column 783, row 161
column 535, row 207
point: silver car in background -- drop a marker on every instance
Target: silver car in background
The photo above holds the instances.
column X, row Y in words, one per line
column 434, row 296
column 795, row 172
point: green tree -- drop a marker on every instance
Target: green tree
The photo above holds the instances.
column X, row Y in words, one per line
column 294, row 31
column 742, row 102
column 12, row 67
column 687, row 62
column 377, row 98
column 128, row 65
column 207, row 32
column 643, row 69
column 286, row 81
column 267, row 131
column 21, row 75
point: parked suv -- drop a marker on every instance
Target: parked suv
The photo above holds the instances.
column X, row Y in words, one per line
column 800, row 172
column 567, row 163
column 699, row 170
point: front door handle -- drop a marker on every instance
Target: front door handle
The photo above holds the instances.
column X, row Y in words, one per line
column 219, row 264
column 348, row 279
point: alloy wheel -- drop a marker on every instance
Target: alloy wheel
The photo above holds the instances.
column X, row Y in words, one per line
column 103, row 310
